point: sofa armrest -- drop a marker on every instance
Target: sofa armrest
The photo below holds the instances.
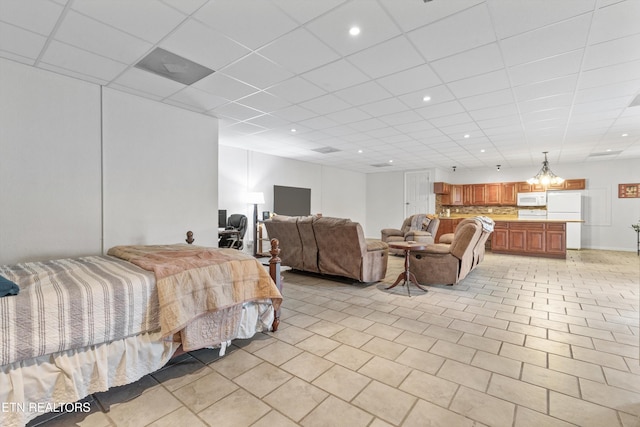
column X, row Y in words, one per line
column 388, row 232
column 446, row 238
column 376, row 245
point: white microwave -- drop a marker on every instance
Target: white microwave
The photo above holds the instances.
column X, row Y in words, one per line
column 532, row 199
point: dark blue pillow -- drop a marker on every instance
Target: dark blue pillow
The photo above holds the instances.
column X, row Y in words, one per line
column 7, row 287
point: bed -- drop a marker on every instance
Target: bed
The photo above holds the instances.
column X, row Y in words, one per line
column 83, row 325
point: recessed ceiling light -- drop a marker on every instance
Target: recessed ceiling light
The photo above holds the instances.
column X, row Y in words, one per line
column 354, row 31
column 625, row 134
column 294, row 130
column 482, row 151
column 467, row 136
column 390, row 161
column 608, row 149
column 426, row 98
column 360, row 151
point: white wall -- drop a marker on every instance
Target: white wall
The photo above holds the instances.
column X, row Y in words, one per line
column 49, row 165
column 334, row 192
column 159, row 172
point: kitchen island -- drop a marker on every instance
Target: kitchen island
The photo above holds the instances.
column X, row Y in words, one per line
column 544, row 238
column 531, row 237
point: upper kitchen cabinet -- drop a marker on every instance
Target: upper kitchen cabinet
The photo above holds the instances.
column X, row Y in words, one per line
column 525, row 187
column 493, row 194
column 509, row 194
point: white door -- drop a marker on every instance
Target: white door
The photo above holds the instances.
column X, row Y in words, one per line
column 416, row 193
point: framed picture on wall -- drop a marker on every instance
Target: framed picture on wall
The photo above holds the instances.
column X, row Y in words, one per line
column 266, row 215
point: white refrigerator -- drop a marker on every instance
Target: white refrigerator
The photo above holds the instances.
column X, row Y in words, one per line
column 565, row 205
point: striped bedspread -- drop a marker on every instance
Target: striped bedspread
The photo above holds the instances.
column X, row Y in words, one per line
column 73, row 303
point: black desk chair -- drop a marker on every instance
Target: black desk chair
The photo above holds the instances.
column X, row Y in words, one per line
column 233, row 234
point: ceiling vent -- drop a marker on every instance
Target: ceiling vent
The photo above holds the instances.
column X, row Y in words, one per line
column 635, row 102
column 172, row 66
column 605, row 153
column 381, row 165
column 325, row 150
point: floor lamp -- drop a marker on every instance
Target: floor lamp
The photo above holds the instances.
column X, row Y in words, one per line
column 255, row 199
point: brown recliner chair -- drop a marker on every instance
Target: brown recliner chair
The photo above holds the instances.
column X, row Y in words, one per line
column 478, row 251
column 412, row 229
column 447, row 264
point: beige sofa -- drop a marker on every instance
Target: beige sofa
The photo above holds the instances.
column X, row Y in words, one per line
column 325, row 245
column 410, row 231
column 448, row 263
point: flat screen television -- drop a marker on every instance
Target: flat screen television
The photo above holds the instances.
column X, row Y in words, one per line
column 293, row 201
column 222, row 218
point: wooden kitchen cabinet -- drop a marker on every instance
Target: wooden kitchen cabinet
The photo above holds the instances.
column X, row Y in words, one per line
column 478, row 194
column 525, row 187
column 492, row 194
column 456, row 195
column 508, row 195
column 467, row 194
column 575, row 184
column 441, row 188
column 534, row 238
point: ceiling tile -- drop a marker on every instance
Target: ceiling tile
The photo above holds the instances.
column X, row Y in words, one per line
column 257, row 71
column 628, row 88
column 546, row 42
column 349, row 115
column 612, row 52
column 478, row 31
column 195, row 97
column 250, row 23
column 20, row 42
column 515, row 17
column 384, row 107
column 420, row 77
column 264, row 101
column 299, row 51
column 147, row 82
column 470, row 63
column 611, row 74
column 486, row 100
column 149, row 20
column 510, row 109
column 71, row 58
column 220, row 85
column 615, row 21
column 185, row 6
column 477, row 85
column 336, row 75
column 546, row 69
column 296, row 90
column 363, row 93
column 325, row 104
column 304, row 11
column 86, row 33
column 399, row 55
column 295, row 113
column 333, row 27
column 236, row 111
column 559, row 85
column 197, row 42
column 439, row 110
column 411, row 15
column 437, row 95
column 40, row 19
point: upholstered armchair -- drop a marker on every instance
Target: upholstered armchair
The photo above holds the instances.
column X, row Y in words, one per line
column 486, row 224
column 447, row 264
column 417, row 228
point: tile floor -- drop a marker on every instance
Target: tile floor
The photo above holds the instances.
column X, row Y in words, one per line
column 522, row 342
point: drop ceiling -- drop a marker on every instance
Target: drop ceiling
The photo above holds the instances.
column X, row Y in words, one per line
column 505, row 79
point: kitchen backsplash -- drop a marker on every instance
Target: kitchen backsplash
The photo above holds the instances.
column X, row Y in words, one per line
column 479, row 210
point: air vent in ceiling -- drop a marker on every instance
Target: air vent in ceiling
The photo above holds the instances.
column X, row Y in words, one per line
column 325, row 150
column 605, row 153
column 635, row 102
column 172, row 66
column 381, row 165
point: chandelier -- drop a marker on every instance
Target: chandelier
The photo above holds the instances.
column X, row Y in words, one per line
column 545, row 176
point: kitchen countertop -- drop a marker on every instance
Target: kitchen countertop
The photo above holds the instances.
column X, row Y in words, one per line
column 509, row 218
